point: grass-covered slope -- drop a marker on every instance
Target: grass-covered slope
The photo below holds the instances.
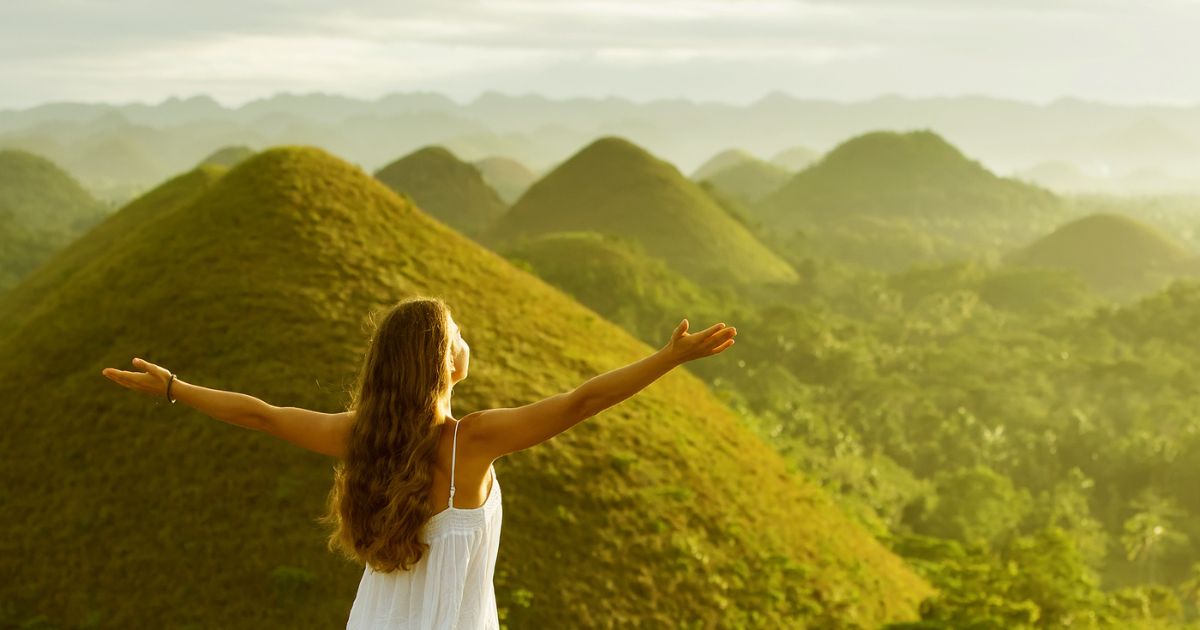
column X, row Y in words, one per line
column 127, row 511
column 615, row 187
column 508, row 177
column 1115, row 254
column 42, row 208
column 446, row 187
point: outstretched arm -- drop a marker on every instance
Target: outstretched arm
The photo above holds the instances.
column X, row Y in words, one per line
column 496, row 432
column 324, row 433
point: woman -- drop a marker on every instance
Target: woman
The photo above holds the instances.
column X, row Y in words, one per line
column 429, row 552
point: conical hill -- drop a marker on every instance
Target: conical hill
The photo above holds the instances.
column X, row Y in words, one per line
column 445, row 187
column 42, row 208
column 615, row 187
column 1115, row 254
column 905, row 175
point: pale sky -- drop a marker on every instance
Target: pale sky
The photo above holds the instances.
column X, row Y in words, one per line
column 120, row 51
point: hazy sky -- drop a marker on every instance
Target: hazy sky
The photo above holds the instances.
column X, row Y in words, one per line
column 120, row 51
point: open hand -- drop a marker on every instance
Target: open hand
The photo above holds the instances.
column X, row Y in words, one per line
column 152, row 381
column 685, row 347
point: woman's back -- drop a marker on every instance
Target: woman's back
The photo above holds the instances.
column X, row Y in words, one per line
column 451, row 586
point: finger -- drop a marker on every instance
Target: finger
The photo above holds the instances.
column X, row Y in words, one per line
column 721, row 335
column 150, row 367
column 118, row 377
column 721, row 347
column 132, row 380
column 716, row 341
column 711, row 329
column 681, row 329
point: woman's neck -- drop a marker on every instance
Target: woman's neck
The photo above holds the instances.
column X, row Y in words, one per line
column 444, row 406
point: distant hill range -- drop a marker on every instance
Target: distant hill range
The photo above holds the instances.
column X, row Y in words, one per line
column 539, row 132
column 259, row 279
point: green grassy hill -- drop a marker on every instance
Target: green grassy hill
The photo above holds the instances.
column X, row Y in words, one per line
column 749, row 181
column 445, row 187
column 228, row 156
column 720, row 162
column 913, row 174
column 132, row 512
column 508, row 177
column 1115, row 254
column 613, row 186
column 890, row 199
column 42, row 208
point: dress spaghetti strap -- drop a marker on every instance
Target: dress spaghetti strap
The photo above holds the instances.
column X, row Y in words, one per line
column 453, row 453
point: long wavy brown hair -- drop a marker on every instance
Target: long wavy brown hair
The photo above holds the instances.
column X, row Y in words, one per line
column 380, row 495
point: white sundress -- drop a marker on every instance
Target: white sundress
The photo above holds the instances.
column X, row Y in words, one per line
column 450, row 587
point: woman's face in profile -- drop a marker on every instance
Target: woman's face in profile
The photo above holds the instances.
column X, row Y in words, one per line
column 460, row 350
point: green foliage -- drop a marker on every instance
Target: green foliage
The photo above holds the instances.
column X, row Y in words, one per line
column 973, row 504
column 1034, row 581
